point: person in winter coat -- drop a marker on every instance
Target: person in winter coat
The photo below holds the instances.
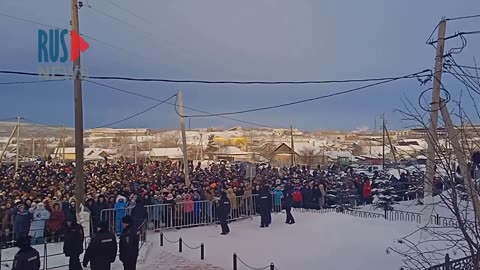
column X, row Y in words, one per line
column 223, row 210
column 233, row 202
column 197, row 208
column 27, row 258
column 102, row 250
column 102, row 205
column 22, row 221
column 139, row 214
column 367, row 191
column 324, row 194
column 265, row 206
column 278, row 196
column 316, row 195
column 55, row 223
column 170, row 210
column 71, row 210
column 73, row 243
column 5, row 221
column 287, row 204
column 297, row 198
column 120, row 212
column 129, row 244
column 307, row 197
column 93, row 207
column 188, row 210
column 37, row 228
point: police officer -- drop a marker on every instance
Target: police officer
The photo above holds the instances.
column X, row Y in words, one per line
column 102, row 250
column 73, row 243
column 27, row 257
column 223, row 210
column 265, row 205
column 287, row 204
column 129, row 242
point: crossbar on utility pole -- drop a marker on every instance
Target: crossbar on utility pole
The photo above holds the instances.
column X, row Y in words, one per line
column 184, row 138
column 78, row 100
column 432, row 131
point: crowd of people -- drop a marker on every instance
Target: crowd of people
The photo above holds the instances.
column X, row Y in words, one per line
column 37, row 199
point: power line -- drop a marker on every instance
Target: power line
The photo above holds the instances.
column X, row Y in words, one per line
column 457, row 35
column 129, row 11
column 418, row 75
column 112, row 17
column 414, row 75
column 29, row 82
column 137, row 114
column 173, row 104
column 463, row 17
column 39, row 123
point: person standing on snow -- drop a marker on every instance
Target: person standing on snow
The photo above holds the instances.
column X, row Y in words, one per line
column 287, row 204
column 73, row 244
column 27, row 258
column 37, row 228
column 265, row 205
column 223, row 210
column 102, row 250
column 129, row 244
column 120, row 212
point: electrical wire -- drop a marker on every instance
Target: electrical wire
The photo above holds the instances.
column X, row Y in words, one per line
column 417, row 75
column 29, row 82
column 456, row 35
column 173, row 104
column 129, row 11
column 33, row 122
column 414, row 75
column 136, row 114
column 112, row 17
column 462, row 18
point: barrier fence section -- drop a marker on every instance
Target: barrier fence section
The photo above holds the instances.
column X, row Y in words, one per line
column 237, row 260
column 181, row 243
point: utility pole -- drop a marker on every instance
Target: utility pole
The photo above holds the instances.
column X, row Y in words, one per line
column 383, row 140
column 136, row 144
column 432, row 131
column 292, row 157
column 201, row 147
column 63, row 144
column 184, row 139
column 33, row 148
column 17, row 163
column 8, row 142
column 461, row 158
column 77, row 84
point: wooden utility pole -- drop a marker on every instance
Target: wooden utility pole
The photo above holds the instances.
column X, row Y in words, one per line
column 184, row 139
column 136, row 144
column 292, row 147
column 383, row 140
column 33, row 148
column 432, row 131
column 8, row 142
column 201, row 147
column 63, row 144
column 462, row 159
column 17, row 158
column 78, row 100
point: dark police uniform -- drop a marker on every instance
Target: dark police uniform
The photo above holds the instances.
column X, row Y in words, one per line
column 73, row 245
column 223, row 211
column 129, row 243
column 102, row 251
column 27, row 257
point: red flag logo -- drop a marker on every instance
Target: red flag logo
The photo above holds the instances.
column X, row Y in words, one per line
column 78, row 44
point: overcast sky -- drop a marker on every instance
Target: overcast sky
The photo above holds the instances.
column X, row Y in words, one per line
column 233, row 40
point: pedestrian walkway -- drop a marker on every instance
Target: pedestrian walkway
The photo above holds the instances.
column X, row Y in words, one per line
column 167, row 261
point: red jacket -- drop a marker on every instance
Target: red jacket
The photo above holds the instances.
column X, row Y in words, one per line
column 367, row 189
column 297, row 196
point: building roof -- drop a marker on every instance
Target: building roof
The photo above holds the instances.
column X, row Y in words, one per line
column 168, row 152
column 230, row 150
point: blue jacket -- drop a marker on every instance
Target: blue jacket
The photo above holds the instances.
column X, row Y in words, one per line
column 22, row 221
column 278, row 195
column 120, row 209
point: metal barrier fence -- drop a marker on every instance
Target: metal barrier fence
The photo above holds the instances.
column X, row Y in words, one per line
column 237, row 260
column 188, row 214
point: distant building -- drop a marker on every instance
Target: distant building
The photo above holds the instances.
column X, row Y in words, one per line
column 232, row 153
column 162, row 154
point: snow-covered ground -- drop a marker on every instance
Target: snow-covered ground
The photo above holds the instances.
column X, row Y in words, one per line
column 317, row 241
